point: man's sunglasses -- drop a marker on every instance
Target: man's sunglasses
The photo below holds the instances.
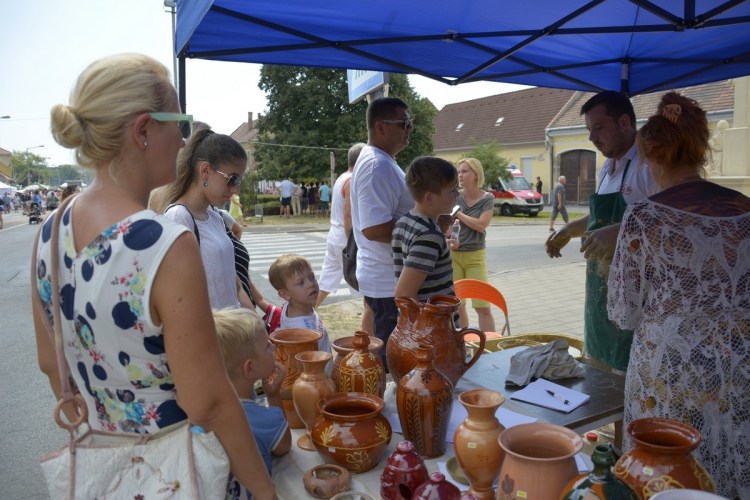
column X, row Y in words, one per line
column 184, row 122
column 408, row 123
column 232, row 180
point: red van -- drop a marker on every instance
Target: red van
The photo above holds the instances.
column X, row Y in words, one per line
column 517, row 196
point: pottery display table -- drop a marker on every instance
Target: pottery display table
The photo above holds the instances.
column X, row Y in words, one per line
column 605, row 406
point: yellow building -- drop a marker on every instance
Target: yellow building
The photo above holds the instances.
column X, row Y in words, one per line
column 6, row 173
column 515, row 120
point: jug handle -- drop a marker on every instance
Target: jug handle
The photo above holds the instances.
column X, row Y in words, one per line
column 482, row 341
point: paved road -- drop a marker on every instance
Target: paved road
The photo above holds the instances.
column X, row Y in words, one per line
column 27, row 429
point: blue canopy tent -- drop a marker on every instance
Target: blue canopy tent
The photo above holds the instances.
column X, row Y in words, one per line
column 635, row 46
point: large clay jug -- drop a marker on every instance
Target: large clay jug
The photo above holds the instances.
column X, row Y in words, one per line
column 662, row 459
column 345, row 345
column 475, row 441
column 290, row 342
column 600, row 483
column 351, row 431
column 361, row 370
column 404, row 472
column 312, row 385
column 430, row 323
column 424, row 399
column 539, row 461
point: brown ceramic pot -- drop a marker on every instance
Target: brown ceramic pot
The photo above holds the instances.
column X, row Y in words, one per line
column 600, row 483
column 324, row 481
column 437, row 488
column 312, row 385
column 290, row 342
column 350, row 431
column 539, row 461
column 404, row 472
column 662, row 459
column 424, row 398
column 344, row 346
column 475, row 441
column 430, row 323
column 361, row 370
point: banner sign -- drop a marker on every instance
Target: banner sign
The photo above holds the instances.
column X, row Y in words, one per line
column 362, row 82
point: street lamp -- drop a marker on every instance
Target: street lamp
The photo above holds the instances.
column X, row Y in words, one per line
column 4, row 117
column 28, row 173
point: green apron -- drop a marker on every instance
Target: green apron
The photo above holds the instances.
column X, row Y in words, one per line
column 603, row 340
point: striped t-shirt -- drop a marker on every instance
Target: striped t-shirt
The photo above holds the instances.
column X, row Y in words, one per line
column 417, row 243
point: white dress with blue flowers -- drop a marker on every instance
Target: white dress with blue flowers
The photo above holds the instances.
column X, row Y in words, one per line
column 115, row 353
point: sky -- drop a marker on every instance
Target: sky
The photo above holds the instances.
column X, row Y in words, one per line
column 47, row 43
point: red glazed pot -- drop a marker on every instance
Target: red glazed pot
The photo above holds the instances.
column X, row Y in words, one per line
column 351, row 431
column 404, row 472
column 344, row 346
column 437, row 488
column 290, row 342
column 662, row 458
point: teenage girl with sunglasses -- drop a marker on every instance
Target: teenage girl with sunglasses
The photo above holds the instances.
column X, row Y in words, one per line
column 209, row 172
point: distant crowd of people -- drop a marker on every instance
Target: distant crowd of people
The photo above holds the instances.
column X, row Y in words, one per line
column 163, row 301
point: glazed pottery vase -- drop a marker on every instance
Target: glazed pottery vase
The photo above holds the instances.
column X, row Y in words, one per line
column 600, row 483
column 437, row 488
column 430, row 323
column 344, row 346
column 289, row 342
column 661, row 458
column 404, row 472
column 351, row 431
column 361, row 370
column 312, row 385
column 424, row 399
column 475, row 441
column 539, row 461
column 324, row 481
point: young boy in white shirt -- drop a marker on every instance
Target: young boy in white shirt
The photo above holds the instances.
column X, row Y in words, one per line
column 294, row 280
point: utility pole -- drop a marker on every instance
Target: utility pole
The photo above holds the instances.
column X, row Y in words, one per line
column 28, row 171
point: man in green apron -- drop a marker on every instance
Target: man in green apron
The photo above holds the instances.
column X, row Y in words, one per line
column 610, row 120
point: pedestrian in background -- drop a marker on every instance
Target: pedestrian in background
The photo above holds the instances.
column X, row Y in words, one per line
column 325, row 197
column 312, row 198
column 558, row 203
column 296, row 208
column 539, row 185
column 303, row 197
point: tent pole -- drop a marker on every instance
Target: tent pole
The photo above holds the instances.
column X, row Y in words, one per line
column 625, row 77
column 181, row 91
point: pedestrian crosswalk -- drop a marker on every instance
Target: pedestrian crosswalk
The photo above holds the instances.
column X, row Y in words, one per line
column 264, row 249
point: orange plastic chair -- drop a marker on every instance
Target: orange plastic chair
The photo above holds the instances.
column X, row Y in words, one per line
column 475, row 289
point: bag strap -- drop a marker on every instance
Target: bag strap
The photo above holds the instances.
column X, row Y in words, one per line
column 195, row 224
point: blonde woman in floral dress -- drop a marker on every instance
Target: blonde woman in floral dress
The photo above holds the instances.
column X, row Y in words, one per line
column 681, row 279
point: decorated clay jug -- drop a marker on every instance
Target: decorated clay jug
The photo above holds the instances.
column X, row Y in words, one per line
column 430, row 323
column 351, row 431
column 475, row 441
column 600, row 483
column 437, row 488
column 661, row 458
column 361, row 370
column 312, row 385
column 539, row 461
column 343, row 346
column 424, row 399
column 290, row 342
column 404, row 472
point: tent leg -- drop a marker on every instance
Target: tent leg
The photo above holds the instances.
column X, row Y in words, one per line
column 181, row 91
column 625, row 77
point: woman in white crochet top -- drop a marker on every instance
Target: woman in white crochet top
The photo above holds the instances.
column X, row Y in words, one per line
column 681, row 279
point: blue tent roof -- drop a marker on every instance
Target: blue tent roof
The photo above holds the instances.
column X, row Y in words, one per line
column 636, row 46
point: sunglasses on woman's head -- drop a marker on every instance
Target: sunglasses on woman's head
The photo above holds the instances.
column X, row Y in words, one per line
column 232, row 180
column 184, row 122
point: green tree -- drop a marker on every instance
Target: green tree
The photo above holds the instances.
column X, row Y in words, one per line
column 310, row 107
column 28, row 168
column 494, row 165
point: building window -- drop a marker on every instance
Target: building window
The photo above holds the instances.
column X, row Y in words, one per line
column 460, row 126
column 499, row 121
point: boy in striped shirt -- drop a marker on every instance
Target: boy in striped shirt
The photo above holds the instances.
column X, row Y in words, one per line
column 421, row 253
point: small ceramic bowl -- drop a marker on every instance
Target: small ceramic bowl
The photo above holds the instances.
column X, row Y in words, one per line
column 352, row 495
column 324, row 481
column 455, row 471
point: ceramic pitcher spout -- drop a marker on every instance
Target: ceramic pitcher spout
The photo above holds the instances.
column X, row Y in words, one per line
column 409, row 308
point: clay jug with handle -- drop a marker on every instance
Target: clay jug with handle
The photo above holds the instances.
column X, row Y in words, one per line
column 312, row 385
column 430, row 323
column 424, row 399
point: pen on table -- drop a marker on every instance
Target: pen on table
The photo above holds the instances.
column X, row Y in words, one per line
column 558, row 396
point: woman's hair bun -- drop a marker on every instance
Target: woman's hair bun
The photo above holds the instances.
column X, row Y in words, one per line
column 66, row 126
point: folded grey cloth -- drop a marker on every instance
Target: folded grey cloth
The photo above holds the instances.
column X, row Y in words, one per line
column 550, row 361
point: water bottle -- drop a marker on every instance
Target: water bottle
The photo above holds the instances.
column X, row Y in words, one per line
column 455, row 230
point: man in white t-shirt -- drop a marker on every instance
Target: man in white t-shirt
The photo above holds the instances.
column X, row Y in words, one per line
column 287, row 190
column 379, row 198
